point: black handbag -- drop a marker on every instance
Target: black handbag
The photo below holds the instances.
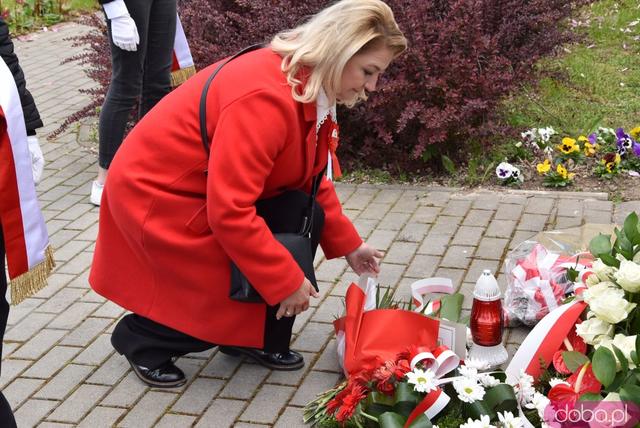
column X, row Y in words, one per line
column 298, row 243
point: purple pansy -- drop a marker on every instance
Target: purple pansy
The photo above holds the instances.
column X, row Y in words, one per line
column 624, row 142
column 593, row 138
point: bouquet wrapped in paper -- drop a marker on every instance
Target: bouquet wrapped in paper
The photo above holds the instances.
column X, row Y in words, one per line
column 541, row 272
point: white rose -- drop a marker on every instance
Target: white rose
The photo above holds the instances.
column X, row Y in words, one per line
column 636, row 258
column 600, row 289
column 604, row 271
column 611, row 306
column 593, row 330
column 628, row 276
column 624, row 343
column 592, row 280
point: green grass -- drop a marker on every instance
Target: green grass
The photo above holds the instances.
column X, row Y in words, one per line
column 23, row 18
column 594, row 83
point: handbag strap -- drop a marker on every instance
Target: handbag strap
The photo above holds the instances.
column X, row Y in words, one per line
column 307, row 220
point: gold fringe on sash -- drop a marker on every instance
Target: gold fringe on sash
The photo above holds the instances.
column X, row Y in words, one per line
column 178, row 77
column 29, row 283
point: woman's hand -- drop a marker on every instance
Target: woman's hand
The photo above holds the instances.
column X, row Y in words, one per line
column 297, row 302
column 364, row 259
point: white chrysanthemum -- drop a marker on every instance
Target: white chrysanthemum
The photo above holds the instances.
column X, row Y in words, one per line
column 523, row 388
column 468, row 390
column 538, row 402
column 483, row 422
column 468, row 372
column 422, row 380
column 556, row 381
column 488, row 381
column 508, row 420
column 476, row 363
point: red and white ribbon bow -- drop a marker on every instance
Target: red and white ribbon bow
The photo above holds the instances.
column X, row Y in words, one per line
column 440, row 361
column 429, row 285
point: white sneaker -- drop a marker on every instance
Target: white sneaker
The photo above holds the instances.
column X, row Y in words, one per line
column 96, row 193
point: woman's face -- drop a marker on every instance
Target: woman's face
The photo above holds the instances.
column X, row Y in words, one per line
column 362, row 71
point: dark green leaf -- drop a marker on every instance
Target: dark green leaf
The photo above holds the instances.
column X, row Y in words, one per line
column 610, row 260
column 600, row 244
column 391, row 420
column 574, row 360
column 630, row 393
column 501, row 398
column 631, row 228
column 451, row 306
column 590, row 396
column 421, row 421
column 604, row 366
column 448, row 165
column 618, row 381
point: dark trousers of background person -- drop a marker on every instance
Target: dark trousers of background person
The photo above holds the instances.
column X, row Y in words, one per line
column 142, row 76
column 149, row 344
column 6, row 416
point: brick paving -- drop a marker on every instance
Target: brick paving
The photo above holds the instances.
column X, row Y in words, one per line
column 58, row 366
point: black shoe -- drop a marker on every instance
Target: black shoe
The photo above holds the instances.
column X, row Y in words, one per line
column 290, row 360
column 167, row 375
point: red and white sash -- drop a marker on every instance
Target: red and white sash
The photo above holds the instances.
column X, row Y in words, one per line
column 29, row 256
column 182, row 67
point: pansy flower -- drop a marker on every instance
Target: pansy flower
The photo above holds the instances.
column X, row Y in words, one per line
column 504, row 170
column 544, row 167
column 624, row 142
column 635, row 133
column 568, row 146
column 562, row 171
column 590, row 149
column 611, row 161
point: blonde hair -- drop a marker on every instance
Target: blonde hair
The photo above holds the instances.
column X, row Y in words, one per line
column 327, row 41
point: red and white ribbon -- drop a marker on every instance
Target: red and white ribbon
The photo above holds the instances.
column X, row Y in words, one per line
column 25, row 233
column 544, row 340
column 430, row 285
column 440, row 361
column 181, row 53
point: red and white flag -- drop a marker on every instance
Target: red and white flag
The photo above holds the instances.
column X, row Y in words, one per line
column 29, row 255
column 182, row 67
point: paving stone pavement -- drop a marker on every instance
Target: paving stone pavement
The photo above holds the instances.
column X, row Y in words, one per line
column 59, row 369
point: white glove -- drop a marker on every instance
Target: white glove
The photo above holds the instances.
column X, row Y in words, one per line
column 124, row 31
column 37, row 160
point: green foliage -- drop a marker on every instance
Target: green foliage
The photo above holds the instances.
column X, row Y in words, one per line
column 574, row 360
column 590, row 83
column 604, row 366
column 27, row 15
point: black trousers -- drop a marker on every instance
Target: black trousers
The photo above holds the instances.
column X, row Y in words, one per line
column 6, row 416
column 140, row 77
column 150, row 344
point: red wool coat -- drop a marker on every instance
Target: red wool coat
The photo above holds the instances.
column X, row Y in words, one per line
column 168, row 230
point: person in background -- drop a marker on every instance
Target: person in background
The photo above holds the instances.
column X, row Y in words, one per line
column 175, row 214
column 141, row 35
column 23, row 235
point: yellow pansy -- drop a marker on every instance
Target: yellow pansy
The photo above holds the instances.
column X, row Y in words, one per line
column 544, row 167
column 562, row 171
column 635, row 132
column 617, row 159
column 590, row 149
column 568, row 146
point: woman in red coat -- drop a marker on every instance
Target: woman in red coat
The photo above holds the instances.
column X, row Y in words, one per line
column 173, row 216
